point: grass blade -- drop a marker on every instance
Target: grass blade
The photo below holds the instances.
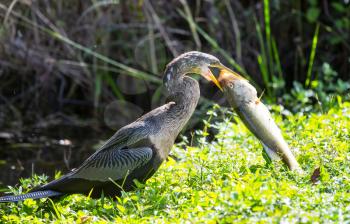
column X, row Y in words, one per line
column 108, row 78
column 191, row 23
column 216, row 47
column 277, row 58
column 262, row 58
column 131, row 71
column 268, row 34
column 98, row 89
column 312, row 55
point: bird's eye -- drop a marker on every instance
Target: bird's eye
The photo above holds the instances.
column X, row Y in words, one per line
column 230, row 85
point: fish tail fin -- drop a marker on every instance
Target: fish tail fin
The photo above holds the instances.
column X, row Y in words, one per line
column 33, row 195
column 269, row 154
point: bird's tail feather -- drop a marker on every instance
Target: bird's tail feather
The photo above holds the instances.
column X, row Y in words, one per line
column 33, row 195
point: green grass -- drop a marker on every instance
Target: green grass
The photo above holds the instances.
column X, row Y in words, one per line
column 269, row 58
column 312, row 55
column 226, row 180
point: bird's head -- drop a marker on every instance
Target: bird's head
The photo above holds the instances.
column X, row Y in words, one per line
column 192, row 62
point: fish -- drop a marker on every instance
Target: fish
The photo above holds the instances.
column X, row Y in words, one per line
column 242, row 96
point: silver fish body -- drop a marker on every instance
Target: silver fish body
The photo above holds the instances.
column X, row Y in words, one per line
column 243, row 98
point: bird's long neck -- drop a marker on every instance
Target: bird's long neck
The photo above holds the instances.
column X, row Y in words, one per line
column 185, row 101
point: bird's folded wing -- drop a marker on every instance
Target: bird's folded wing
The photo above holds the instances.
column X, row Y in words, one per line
column 114, row 164
column 126, row 136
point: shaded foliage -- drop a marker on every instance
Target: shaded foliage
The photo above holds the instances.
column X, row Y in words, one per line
column 76, row 57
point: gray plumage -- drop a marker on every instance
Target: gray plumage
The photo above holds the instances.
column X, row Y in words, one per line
column 32, row 195
column 137, row 150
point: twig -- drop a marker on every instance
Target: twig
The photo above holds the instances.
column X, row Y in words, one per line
column 9, row 10
column 161, row 29
column 191, row 23
column 236, row 31
column 151, row 37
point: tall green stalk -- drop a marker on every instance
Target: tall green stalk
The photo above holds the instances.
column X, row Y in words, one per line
column 312, row 55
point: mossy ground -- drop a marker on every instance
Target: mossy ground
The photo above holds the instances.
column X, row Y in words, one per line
column 226, row 180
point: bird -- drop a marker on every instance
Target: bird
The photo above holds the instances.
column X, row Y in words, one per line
column 136, row 151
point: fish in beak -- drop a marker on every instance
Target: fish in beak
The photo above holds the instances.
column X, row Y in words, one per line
column 255, row 115
column 226, row 73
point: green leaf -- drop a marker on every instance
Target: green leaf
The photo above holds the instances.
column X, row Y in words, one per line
column 313, row 2
column 312, row 14
column 337, row 6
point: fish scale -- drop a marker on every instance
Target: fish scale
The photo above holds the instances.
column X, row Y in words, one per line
column 243, row 98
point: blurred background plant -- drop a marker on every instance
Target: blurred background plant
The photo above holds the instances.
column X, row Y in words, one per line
column 75, row 58
column 95, row 64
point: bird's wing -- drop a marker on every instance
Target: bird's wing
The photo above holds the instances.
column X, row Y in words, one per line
column 116, row 158
column 114, row 164
column 117, row 154
column 101, row 167
column 126, row 136
column 138, row 130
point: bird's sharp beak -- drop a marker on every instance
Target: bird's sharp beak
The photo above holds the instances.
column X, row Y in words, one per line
column 223, row 68
column 208, row 75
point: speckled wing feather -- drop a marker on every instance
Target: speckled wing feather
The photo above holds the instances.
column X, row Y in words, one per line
column 114, row 159
column 126, row 136
column 101, row 167
column 114, row 164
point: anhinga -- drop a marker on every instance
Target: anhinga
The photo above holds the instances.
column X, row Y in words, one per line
column 137, row 150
